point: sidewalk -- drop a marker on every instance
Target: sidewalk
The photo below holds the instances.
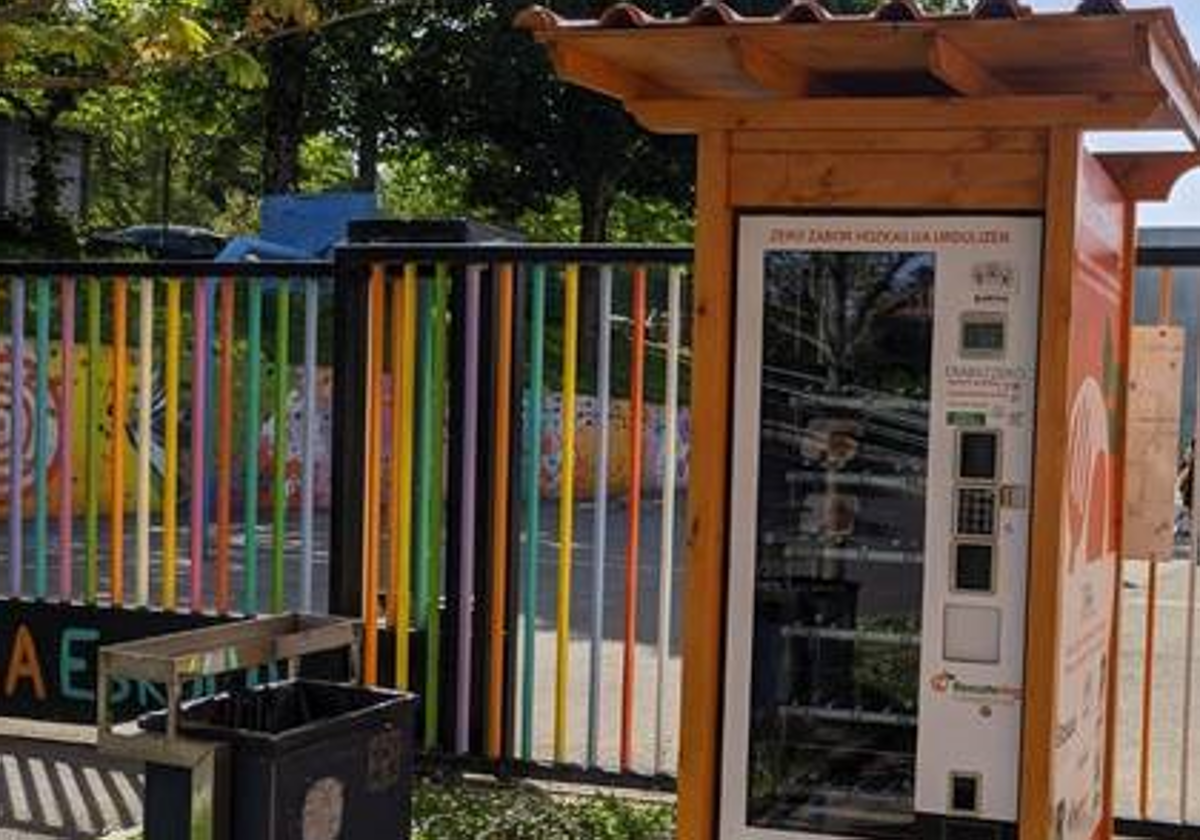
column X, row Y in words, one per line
column 64, row 791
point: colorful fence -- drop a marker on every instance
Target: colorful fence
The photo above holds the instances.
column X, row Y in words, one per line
column 512, row 573
column 138, row 404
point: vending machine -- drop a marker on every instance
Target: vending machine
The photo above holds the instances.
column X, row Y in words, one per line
column 908, row 459
column 883, row 434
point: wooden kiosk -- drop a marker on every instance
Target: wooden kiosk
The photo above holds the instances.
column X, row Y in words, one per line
column 912, row 312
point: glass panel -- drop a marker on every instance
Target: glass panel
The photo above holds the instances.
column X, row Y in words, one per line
column 844, row 448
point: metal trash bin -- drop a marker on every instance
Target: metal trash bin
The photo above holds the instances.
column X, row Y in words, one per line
column 309, row 760
column 283, row 733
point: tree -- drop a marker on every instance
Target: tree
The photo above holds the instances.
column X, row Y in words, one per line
column 54, row 55
column 479, row 86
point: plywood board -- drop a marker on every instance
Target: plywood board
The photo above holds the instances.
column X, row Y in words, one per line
column 1155, row 402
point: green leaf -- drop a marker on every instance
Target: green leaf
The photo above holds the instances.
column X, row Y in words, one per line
column 242, row 70
column 185, row 35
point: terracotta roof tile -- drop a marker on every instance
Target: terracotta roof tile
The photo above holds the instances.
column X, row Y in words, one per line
column 628, row 15
column 898, row 11
column 999, row 9
column 1101, row 7
column 803, row 11
column 624, row 16
column 713, row 14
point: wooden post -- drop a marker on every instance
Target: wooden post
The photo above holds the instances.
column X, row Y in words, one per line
column 1043, row 620
column 712, row 343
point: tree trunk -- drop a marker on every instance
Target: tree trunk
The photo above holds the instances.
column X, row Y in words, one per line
column 366, row 177
column 47, row 223
column 46, row 205
column 595, row 206
column 287, row 61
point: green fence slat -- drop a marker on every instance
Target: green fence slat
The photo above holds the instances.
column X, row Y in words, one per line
column 436, row 506
column 533, row 439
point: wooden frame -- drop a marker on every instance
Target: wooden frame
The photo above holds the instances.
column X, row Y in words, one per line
column 959, row 114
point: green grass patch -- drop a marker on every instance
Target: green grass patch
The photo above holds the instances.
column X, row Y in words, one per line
column 458, row 810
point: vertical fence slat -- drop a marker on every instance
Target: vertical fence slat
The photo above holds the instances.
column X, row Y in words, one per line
column 66, row 433
column 145, row 434
column 466, row 523
column 372, row 476
column 666, row 567
column 600, row 523
column 533, row 446
column 250, row 449
column 433, row 652
column 41, row 438
column 1189, row 642
column 170, row 492
column 283, row 313
column 422, row 537
column 566, row 509
column 93, row 442
column 395, row 335
column 199, row 421
column 308, row 468
column 1189, row 645
column 636, row 376
column 211, row 384
column 424, row 451
column 499, row 511
column 403, row 550
column 120, row 385
column 228, row 299
column 16, row 454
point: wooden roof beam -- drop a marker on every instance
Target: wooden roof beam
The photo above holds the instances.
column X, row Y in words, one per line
column 1163, row 57
column 1089, row 112
column 1148, row 176
column 592, row 71
column 959, row 72
column 770, row 71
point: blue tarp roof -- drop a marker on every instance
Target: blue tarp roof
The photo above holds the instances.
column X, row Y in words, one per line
column 300, row 227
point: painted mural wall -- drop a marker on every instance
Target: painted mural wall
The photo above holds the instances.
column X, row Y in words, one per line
column 79, row 435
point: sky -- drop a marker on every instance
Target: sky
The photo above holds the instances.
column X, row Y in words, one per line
column 1184, row 208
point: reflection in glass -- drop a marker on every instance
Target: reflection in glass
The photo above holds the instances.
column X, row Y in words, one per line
column 847, row 340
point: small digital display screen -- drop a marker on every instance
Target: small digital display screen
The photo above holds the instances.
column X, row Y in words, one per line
column 978, row 454
column 983, row 335
column 973, row 567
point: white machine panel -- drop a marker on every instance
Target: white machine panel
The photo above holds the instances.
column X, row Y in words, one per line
column 980, row 475
column 883, row 422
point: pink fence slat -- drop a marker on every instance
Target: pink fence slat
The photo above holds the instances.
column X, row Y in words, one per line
column 66, row 426
column 199, row 417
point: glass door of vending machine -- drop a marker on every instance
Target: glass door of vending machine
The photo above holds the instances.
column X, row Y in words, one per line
column 881, row 459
